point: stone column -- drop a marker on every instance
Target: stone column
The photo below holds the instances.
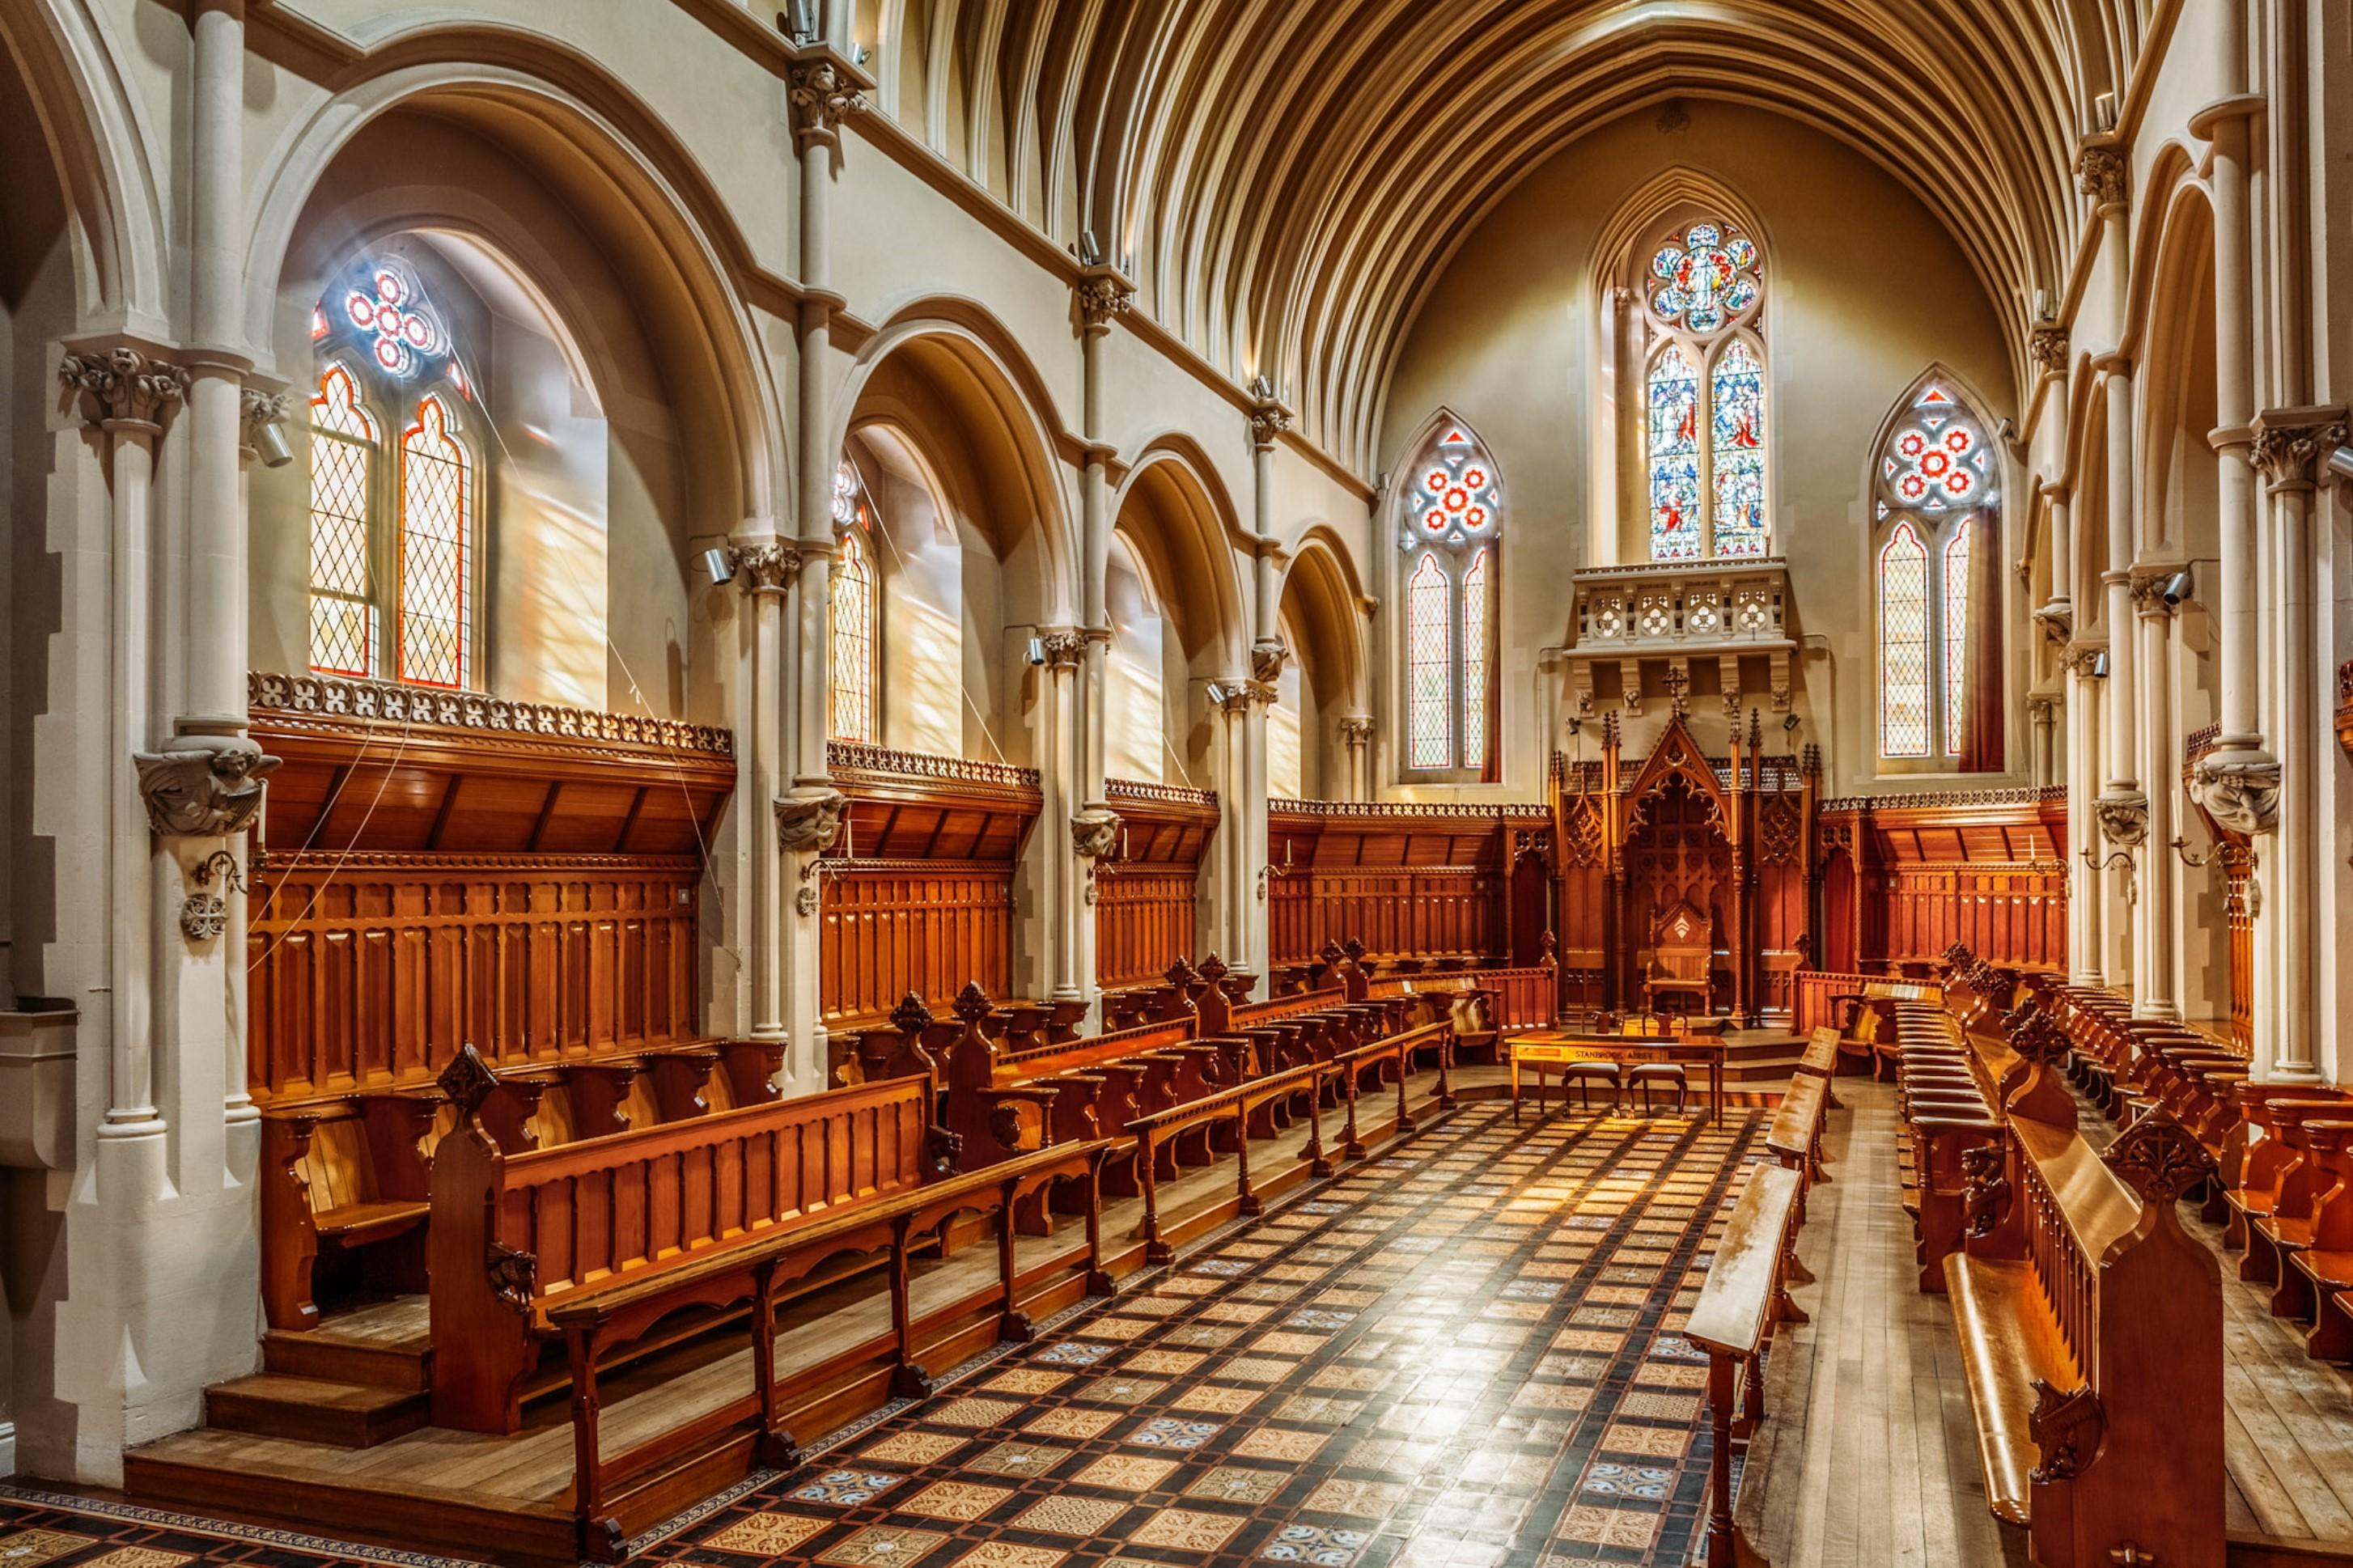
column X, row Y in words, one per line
column 128, row 397
column 2289, row 444
column 2157, row 915
column 2085, row 951
column 2043, row 710
column 767, row 567
column 1066, row 910
column 1104, row 294
column 2121, row 808
column 2047, row 347
column 1356, row 736
column 822, row 87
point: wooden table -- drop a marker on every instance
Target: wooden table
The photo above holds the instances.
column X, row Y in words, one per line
column 1551, row 1049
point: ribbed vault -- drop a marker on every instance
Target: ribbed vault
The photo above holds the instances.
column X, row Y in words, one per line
column 1285, row 177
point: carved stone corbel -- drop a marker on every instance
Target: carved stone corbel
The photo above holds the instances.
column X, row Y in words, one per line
column 1357, row 730
column 1093, row 831
column 1268, row 656
column 2047, row 346
column 765, row 568
column 821, row 97
column 1267, row 420
column 1103, row 293
column 2289, row 444
column 2102, row 175
column 2240, row 790
column 2058, row 623
column 203, row 789
column 1064, row 646
column 2123, row 819
column 808, row 821
column 2082, row 659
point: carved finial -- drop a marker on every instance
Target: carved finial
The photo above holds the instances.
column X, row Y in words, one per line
column 2158, row 1159
column 972, row 1004
column 911, row 1016
column 1355, row 948
column 1677, row 684
column 1213, row 969
column 467, row 1081
column 1330, row 953
column 1180, row 973
column 2068, row 1431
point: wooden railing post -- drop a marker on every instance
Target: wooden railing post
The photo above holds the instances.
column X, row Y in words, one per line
column 1249, row 1201
column 1405, row 1122
column 1318, row 1162
column 600, row 1536
column 1147, row 1162
column 908, row 1379
column 1721, row 1553
column 777, row 1449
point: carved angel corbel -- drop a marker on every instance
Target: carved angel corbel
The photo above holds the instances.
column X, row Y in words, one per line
column 808, row 821
column 204, row 791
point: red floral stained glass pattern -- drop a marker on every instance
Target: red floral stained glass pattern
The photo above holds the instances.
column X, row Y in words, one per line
column 1428, row 668
column 436, row 539
column 342, row 454
column 1903, row 645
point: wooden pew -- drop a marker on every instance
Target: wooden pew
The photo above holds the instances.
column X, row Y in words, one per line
column 756, row 1269
column 513, row 1236
column 2091, row 1335
column 1744, row 1295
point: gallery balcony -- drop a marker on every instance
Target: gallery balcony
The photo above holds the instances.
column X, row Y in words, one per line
column 1667, row 616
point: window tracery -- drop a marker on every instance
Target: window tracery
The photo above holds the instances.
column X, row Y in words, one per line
column 1706, row 402
column 1452, row 524
column 1937, row 487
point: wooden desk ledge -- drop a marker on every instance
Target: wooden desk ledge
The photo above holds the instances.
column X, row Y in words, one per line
column 2008, row 1342
column 1735, row 1299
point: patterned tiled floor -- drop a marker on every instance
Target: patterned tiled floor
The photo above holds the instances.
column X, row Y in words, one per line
column 1460, row 1356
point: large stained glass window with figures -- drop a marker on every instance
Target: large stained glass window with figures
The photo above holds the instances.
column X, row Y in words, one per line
column 1704, row 408
column 392, row 534
column 1450, row 529
column 1938, row 490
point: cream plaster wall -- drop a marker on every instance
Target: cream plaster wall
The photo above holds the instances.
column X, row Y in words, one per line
column 1852, row 316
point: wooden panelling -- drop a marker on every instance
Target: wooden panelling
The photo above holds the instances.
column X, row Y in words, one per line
column 896, row 926
column 368, row 970
column 1144, row 918
column 1407, row 883
column 1910, row 875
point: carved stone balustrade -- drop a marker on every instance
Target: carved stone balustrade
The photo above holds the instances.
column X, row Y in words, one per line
column 1666, row 614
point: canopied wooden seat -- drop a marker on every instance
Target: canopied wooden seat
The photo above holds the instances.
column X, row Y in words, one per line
column 1683, row 960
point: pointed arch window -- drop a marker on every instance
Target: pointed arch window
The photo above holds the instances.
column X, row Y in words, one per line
column 1704, row 408
column 853, row 610
column 393, row 543
column 1453, row 526
column 1938, row 481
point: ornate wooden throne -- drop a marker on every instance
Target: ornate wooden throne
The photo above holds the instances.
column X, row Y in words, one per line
column 1683, row 960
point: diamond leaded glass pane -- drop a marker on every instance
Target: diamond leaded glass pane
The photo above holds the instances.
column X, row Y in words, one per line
column 1429, row 667
column 1956, row 634
column 435, row 530
column 1475, row 662
column 1736, row 395
column 853, row 644
column 342, row 449
column 1674, row 444
column 1903, row 645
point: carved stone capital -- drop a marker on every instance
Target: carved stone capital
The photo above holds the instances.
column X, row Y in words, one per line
column 1103, row 293
column 1267, row 420
column 2123, row 819
column 820, row 98
column 808, row 820
column 203, row 788
column 2240, row 790
column 2287, row 451
column 1093, row 831
column 2146, row 584
column 2047, row 346
column 1268, row 656
column 1064, row 646
column 2101, row 173
column 2078, row 657
column 1356, row 729
column 765, row 568
column 127, row 388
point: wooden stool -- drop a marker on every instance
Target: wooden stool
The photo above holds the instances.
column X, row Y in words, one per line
column 1584, row 1075
column 1649, row 1073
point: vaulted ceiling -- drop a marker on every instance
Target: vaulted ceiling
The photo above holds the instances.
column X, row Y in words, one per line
column 1283, row 177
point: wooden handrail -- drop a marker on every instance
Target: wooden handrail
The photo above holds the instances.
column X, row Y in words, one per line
column 1741, row 1299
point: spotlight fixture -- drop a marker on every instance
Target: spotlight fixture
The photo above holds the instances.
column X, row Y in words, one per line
column 2340, row 462
column 1090, row 248
column 1261, row 388
column 721, row 570
column 2100, row 665
column 799, row 21
column 1789, row 722
column 1037, row 651
column 271, row 443
column 2179, row 587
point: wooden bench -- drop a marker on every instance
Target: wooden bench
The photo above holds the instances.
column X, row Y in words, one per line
column 1744, row 1295
column 2090, row 1324
column 756, row 1269
column 514, row 1235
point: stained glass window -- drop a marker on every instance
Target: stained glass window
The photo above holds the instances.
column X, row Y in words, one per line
column 343, row 456
column 853, row 642
column 1903, row 645
column 387, row 311
column 435, row 539
column 1703, row 412
column 1674, row 458
column 1452, row 519
column 1956, row 634
column 1474, row 658
column 1430, row 666
column 1939, row 482
column 1736, row 392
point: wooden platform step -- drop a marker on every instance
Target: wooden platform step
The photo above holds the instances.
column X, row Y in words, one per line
column 315, row 1410
column 382, row 1345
